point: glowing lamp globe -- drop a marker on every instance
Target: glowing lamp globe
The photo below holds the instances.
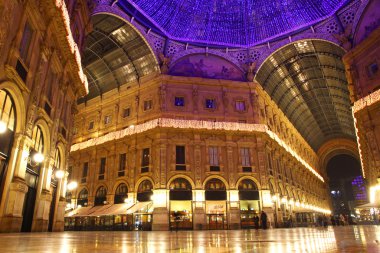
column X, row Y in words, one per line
column 59, row 174
column 38, row 157
column 72, row 185
column 3, row 127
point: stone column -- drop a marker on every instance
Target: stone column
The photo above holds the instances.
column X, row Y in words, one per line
column 160, row 212
column 233, row 217
column 15, row 187
column 199, row 215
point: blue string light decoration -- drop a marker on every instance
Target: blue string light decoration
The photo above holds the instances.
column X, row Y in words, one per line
column 233, row 22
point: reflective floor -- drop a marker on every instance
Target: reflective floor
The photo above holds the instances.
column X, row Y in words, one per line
column 338, row 239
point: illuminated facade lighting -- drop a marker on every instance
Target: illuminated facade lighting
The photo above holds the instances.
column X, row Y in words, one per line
column 193, row 124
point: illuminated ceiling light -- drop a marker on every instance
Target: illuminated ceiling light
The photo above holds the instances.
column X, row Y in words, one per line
column 59, row 174
column 72, row 185
column 38, row 157
column 3, row 127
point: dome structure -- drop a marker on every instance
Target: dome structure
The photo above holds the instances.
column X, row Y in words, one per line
column 236, row 23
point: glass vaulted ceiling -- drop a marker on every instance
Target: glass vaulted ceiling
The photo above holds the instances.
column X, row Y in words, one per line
column 232, row 22
column 307, row 81
column 115, row 54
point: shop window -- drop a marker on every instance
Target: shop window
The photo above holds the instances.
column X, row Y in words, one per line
column 210, row 103
column 82, row 198
column 121, row 193
column 248, row 190
column 145, row 191
column 102, row 168
column 213, row 158
column 122, row 165
column 145, row 159
column 7, row 121
column 240, row 106
column 179, row 101
column 91, row 125
column 107, row 119
column 84, row 172
column 215, row 190
column 148, row 105
column 26, row 41
column 126, row 112
column 101, row 196
column 180, row 158
column 180, row 189
column 372, row 69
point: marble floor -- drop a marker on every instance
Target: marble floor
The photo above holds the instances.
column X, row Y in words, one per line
column 338, row 239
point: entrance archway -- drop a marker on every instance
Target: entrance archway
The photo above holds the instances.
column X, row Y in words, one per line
column 181, row 211
column 249, row 202
column 216, row 204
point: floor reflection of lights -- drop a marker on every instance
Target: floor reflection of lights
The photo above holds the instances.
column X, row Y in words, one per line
column 338, row 239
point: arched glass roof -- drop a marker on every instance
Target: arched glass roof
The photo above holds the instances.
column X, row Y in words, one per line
column 115, row 54
column 307, row 81
column 231, row 22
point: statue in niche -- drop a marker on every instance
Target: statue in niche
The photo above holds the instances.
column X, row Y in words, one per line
column 165, row 61
column 345, row 38
column 250, row 69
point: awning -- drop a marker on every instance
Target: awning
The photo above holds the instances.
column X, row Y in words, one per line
column 99, row 210
column 138, row 207
column 81, row 211
column 117, row 209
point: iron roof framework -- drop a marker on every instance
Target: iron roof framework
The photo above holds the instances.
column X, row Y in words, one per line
column 307, row 81
column 114, row 55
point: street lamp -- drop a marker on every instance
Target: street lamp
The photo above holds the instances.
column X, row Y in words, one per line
column 72, row 185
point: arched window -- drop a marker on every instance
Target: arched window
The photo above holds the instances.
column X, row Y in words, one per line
column 248, row 190
column 57, row 165
column 83, row 197
column 101, row 196
column 215, row 190
column 7, row 127
column 145, row 191
column 180, row 189
column 36, row 148
column 121, row 193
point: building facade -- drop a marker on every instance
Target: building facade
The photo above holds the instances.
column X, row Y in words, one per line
column 203, row 153
column 40, row 79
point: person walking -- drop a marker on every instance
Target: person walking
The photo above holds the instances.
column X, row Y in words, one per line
column 264, row 219
column 256, row 221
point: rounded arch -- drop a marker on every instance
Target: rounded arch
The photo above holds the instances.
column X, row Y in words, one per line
column 116, row 12
column 215, row 177
column 250, row 178
column 19, row 104
column 43, row 125
column 120, row 193
column 119, row 182
column 307, row 80
column 194, row 51
column 365, row 20
column 336, row 147
column 99, row 185
column 141, row 179
column 189, row 179
column 61, row 148
column 211, row 66
column 82, row 197
column 272, row 187
column 115, row 54
column 144, row 191
column 100, row 195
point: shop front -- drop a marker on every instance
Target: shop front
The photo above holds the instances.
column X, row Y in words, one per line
column 142, row 210
column 216, row 204
column 249, row 203
column 180, row 206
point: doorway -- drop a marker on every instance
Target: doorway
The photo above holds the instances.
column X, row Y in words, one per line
column 31, row 179
column 216, row 221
